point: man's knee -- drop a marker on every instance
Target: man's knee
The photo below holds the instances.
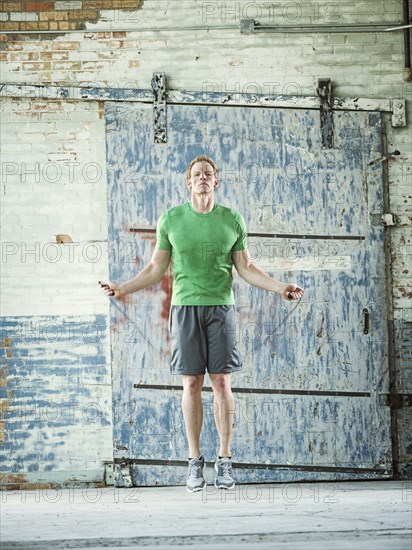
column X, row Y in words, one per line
column 192, row 385
column 221, row 383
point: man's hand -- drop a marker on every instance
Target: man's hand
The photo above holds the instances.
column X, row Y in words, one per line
column 292, row 292
column 110, row 289
column 255, row 276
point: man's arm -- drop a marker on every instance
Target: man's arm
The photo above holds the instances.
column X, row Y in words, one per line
column 256, row 277
column 150, row 275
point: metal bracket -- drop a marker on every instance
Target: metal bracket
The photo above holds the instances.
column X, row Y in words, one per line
column 108, row 473
column 395, row 400
column 159, row 107
column 247, row 26
column 398, row 112
column 386, row 219
column 324, row 91
column 123, row 474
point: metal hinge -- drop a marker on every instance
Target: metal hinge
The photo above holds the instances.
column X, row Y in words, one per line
column 387, row 219
column 324, row 91
column 159, row 108
column 395, row 400
column 398, row 113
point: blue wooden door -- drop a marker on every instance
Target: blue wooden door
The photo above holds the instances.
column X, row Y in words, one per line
column 307, row 400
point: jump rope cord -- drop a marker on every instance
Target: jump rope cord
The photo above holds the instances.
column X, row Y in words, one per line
column 134, row 324
column 255, row 348
column 283, row 321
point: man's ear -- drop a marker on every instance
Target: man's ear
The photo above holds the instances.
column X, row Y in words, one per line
column 216, row 183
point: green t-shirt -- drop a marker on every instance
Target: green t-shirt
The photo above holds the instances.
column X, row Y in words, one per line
column 201, row 246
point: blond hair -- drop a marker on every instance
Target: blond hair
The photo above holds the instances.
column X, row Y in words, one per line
column 201, row 158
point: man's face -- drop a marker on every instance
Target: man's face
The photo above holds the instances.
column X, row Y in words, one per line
column 202, row 178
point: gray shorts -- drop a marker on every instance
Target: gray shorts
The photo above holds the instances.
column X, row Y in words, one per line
column 203, row 338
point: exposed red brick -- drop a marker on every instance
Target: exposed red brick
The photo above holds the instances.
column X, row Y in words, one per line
column 51, row 106
column 36, row 66
column 8, row 26
column 67, row 65
column 97, row 35
column 12, row 45
column 10, row 6
column 54, row 56
column 113, row 4
column 38, row 6
column 60, row 20
column 24, row 56
column 64, row 45
column 81, row 15
column 54, row 16
column 32, row 26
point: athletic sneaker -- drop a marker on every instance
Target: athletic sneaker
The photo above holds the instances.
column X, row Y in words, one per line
column 224, row 479
column 195, row 480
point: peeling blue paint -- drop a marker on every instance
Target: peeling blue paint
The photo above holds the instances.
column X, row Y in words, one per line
column 54, row 392
column 275, row 172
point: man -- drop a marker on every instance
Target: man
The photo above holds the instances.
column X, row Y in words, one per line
column 205, row 240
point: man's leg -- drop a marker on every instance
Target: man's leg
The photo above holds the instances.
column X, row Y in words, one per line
column 224, row 415
column 224, row 410
column 193, row 411
column 193, row 416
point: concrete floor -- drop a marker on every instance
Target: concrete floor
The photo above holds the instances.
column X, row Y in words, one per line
column 371, row 515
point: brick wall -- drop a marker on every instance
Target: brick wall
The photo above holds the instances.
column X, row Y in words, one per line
column 55, row 377
column 53, row 183
column 53, row 161
column 58, row 15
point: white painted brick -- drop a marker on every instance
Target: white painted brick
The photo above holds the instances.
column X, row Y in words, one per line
column 68, row 5
column 12, row 148
column 24, row 16
column 41, row 266
column 26, row 221
column 22, row 137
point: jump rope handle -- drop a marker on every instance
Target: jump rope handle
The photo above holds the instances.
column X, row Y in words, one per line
column 107, row 286
column 290, row 296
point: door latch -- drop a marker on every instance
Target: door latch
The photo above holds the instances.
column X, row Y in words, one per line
column 366, row 320
column 386, row 219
